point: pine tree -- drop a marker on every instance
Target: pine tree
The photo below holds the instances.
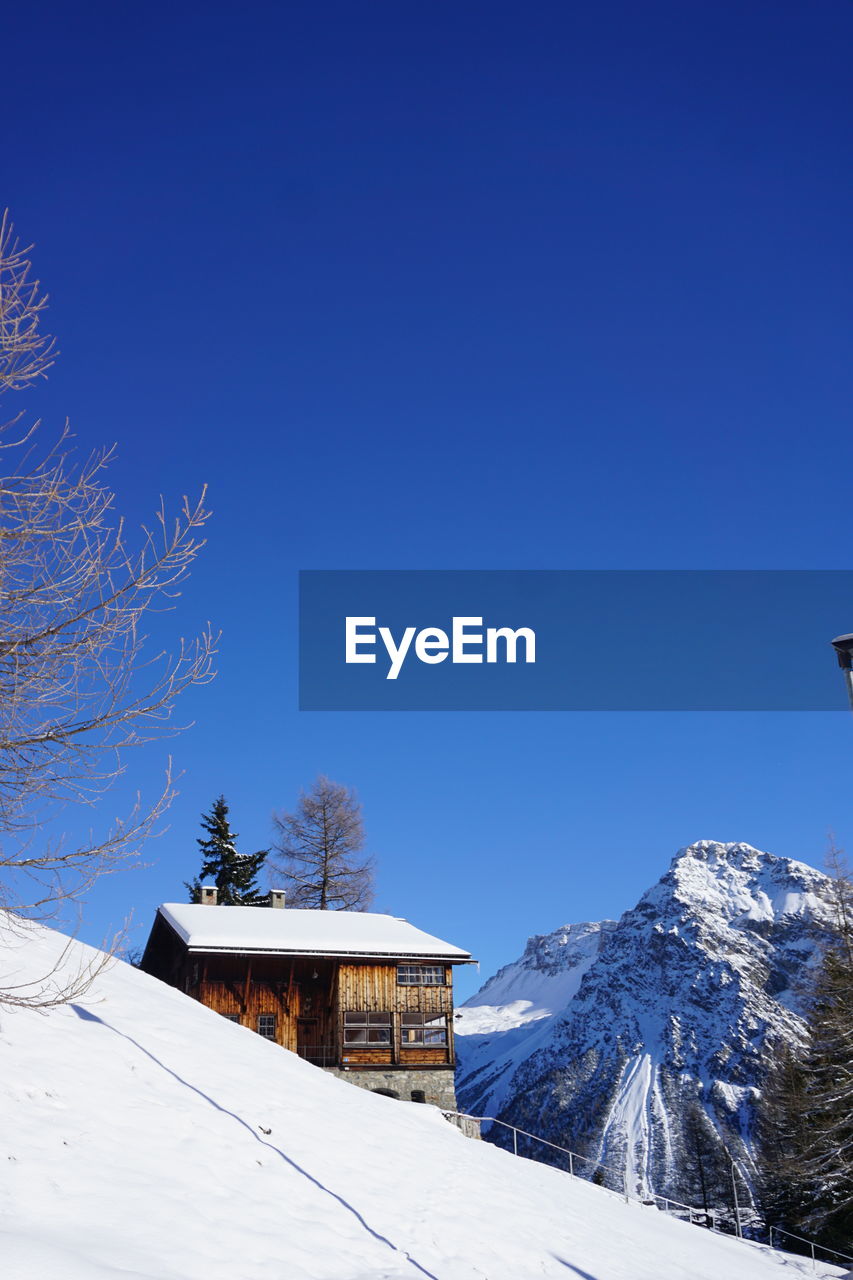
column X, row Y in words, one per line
column 806, row 1121
column 233, row 873
column 707, row 1172
column 322, row 864
column 828, row 1157
column 782, row 1135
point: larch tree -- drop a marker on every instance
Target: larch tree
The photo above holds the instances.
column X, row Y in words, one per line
column 321, row 862
column 77, row 684
column 234, row 874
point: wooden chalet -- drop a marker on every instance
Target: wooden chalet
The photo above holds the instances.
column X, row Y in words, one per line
column 368, row 997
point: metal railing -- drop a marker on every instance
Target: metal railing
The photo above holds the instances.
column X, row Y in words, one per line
column 318, row 1054
column 836, row 1253
column 709, row 1218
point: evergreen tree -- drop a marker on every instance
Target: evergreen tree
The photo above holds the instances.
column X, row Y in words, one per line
column 782, row 1135
column 233, row 873
column 828, row 1155
column 322, row 864
column 707, row 1170
column 806, row 1118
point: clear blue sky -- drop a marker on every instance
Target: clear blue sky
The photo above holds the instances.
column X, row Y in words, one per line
column 466, row 285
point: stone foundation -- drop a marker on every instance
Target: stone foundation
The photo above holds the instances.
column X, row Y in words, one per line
column 436, row 1084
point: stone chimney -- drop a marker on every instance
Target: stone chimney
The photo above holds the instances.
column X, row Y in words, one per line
column 209, row 895
column 277, row 898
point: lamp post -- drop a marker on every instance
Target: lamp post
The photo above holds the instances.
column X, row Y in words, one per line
column 738, row 1227
column 843, row 646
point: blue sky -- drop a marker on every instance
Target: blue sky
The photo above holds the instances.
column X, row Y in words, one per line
column 456, row 286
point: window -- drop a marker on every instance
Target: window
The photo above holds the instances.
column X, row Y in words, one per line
column 422, row 1029
column 266, row 1025
column 367, row 1028
column 231, row 1017
column 420, row 975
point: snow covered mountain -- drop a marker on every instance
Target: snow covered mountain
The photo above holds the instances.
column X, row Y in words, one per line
column 143, row 1137
column 642, row 1043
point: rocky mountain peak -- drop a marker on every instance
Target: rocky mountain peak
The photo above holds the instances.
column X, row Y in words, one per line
column 735, row 885
column 622, row 1037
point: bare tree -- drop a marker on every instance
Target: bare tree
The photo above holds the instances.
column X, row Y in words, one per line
column 321, row 863
column 75, row 685
column 66, row 976
column 25, row 353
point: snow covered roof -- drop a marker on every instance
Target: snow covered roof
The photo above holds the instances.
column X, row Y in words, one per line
column 296, row 932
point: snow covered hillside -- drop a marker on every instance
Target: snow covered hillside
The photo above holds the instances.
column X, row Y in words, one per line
column 642, row 1043
column 146, row 1138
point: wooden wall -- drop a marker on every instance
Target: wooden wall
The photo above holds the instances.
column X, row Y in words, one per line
column 286, row 987
column 374, row 988
column 308, row 998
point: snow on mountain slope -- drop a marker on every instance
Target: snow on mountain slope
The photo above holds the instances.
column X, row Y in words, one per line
column 146, row 1138
column 649, row 1056
column 510, row 1016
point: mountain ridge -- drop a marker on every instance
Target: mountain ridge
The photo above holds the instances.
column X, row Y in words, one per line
column 642, row 1042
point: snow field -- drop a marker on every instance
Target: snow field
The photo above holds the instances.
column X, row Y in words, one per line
column 134, row 1147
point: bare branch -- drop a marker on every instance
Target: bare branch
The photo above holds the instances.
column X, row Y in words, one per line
column 77, row 683
column 321, row 862
column 68, row 978
column 25, row 354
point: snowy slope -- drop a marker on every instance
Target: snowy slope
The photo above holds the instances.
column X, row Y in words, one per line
column 511, row 1015
column 146, row 1138
column 638, row 1042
